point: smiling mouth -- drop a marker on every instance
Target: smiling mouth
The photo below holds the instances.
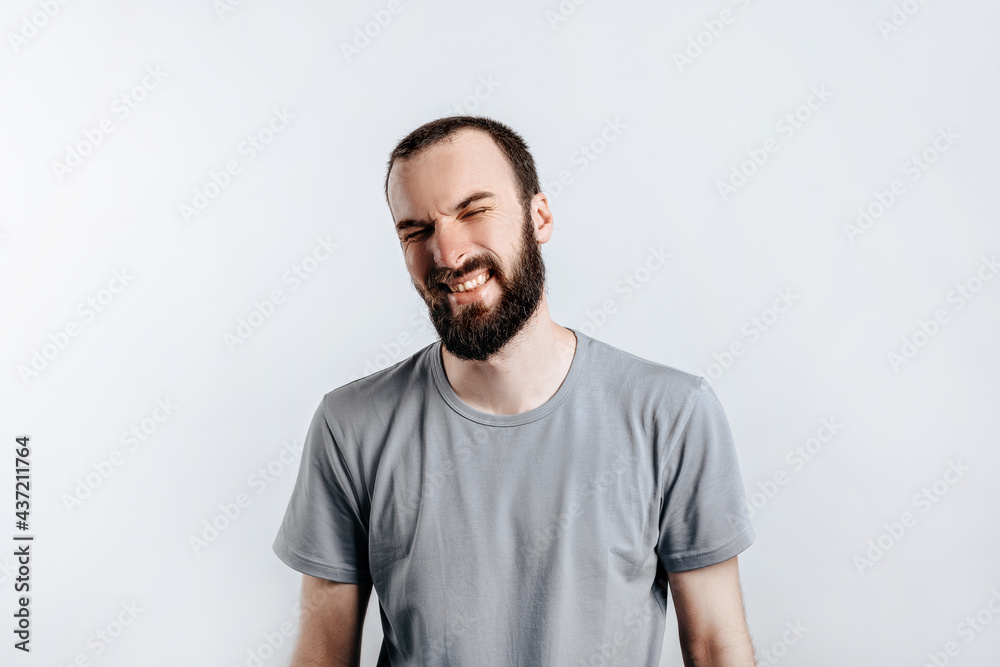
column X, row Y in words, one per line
column 472, row 284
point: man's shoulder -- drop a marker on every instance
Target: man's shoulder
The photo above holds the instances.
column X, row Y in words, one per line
column 378, row 393
column 640, row 374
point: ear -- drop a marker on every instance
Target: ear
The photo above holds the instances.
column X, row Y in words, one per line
column 541, row 217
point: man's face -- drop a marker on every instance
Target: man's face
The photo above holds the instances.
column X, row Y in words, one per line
column 458, row 216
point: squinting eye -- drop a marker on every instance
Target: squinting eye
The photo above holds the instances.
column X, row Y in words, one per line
column 481, row 210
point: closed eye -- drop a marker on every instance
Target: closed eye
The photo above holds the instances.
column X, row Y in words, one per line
column 423, row 230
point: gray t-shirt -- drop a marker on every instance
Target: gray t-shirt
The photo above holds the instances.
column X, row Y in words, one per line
column 540, row 538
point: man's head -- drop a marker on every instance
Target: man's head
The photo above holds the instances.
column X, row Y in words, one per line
column 464, row 195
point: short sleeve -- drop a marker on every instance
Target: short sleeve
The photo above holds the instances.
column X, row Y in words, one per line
column 323, row 533
column 703, row 514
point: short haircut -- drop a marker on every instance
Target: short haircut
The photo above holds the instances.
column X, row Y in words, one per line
column 507, row 140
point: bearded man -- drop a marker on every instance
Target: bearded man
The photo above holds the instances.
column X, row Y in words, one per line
column 517, row 492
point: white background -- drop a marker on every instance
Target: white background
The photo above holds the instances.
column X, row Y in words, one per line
column 685, row 126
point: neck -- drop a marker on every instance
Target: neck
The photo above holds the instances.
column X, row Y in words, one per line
column 523, row 375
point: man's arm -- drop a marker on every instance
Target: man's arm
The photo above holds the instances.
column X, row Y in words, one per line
column 710, row 616
column 333, row 616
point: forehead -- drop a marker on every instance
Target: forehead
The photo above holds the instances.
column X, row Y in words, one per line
column 443, row 174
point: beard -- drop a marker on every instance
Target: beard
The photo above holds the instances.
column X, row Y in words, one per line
column 475, row 331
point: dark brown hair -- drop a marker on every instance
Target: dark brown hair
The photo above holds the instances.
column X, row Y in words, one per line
column 510, row 143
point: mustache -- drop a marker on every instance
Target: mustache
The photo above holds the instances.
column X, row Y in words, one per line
column 472, row 267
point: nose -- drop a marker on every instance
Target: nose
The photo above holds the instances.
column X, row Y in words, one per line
column 450, row 244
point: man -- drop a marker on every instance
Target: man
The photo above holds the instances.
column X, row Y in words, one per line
column 517, row 493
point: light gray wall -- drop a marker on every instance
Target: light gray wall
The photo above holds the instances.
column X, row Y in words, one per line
column 882, row 93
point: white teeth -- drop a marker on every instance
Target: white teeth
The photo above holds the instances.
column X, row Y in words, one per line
column 470, row 284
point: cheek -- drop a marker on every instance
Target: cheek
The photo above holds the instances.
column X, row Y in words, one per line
column 413, row 263
column 418, row 267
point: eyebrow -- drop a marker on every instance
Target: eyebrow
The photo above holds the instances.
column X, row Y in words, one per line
column 474, row 197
